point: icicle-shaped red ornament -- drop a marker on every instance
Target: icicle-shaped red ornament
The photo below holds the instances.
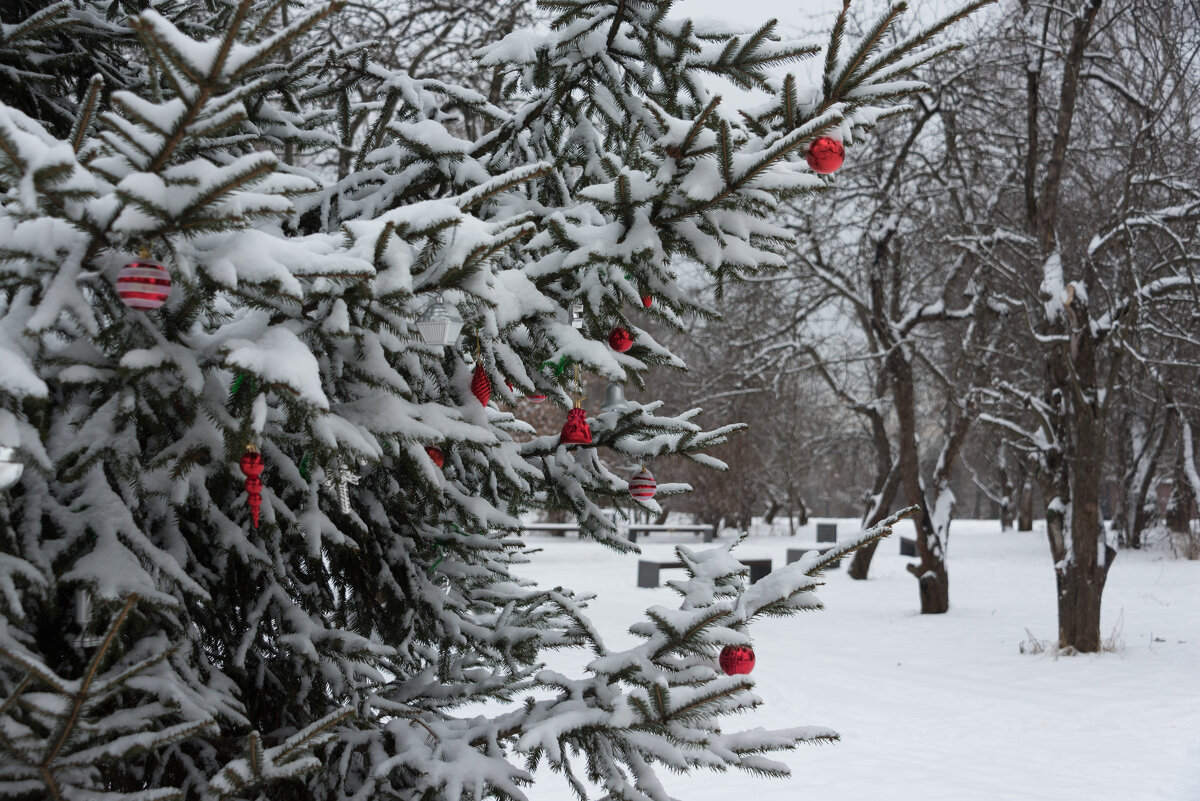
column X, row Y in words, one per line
column 252, row 467
column 481, row 385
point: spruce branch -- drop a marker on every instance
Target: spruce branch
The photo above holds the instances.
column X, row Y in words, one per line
column 87, row 113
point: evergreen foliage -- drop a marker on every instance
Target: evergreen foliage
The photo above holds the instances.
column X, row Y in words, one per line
column 375, row 625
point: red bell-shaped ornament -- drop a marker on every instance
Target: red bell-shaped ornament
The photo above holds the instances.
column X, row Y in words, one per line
column 481, row 385
column 252, row 465
column 737, row 659
column 620, row 340
column 575, row 431
column 435, row 455
column 825, row 155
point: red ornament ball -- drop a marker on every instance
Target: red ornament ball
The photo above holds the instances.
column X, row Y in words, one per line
column 576, row 431
column 435, row 455
column 647, row 301
column 826, row 155
column 737, row 659
column 144, row 285
column 620, row 340
column 481, row 385
column 536, row 398
column 643, row 486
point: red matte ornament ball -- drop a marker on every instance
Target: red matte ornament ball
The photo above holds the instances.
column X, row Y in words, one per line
column 737, row 659
column 435, row 455
column 826, row 155
column 481, row 385
column 620, row 340
column 144, row 285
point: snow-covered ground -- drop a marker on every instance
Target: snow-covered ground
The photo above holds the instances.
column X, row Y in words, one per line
column 946, row 707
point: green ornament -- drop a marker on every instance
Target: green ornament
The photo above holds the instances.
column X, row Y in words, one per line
column 559, row 368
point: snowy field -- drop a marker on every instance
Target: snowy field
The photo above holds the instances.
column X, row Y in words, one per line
column 946, row 707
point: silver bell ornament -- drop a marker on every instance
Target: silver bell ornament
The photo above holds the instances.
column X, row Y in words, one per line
column 439, row 324
column 11, row 467
column 614, row 399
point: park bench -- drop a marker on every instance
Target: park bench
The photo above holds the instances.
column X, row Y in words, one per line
column 648, row 570
column 706, row 531
column 558, row 529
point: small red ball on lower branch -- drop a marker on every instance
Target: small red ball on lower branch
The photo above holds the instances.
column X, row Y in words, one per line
column 435, row 455
column 737, row 659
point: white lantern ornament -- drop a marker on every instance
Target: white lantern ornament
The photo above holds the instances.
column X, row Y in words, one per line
column 11, row 467
column 439, row 324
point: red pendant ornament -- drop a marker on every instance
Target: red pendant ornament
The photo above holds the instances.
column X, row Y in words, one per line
column 536, row 398
column 575, row 431
column 647, row 301
column 737, row 659
column 435, row 455
column 252, row 465
column 481, row 385
column 826, row 155
column 620, row 340
column 643, row 486
column 144, row 285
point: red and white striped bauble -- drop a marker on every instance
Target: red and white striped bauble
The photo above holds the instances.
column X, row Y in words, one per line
column 643, row 486
column 144, row 284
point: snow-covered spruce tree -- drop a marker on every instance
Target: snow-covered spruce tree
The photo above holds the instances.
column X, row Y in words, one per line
column 157, row 639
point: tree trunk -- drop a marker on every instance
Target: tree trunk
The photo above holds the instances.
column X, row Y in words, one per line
column 1025, row 507
column 1006, row 499
column 1137, row 480
column 883, row 492
column 931, row 569
column 879, row 505
column 772, row 510
column 1082, row 560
